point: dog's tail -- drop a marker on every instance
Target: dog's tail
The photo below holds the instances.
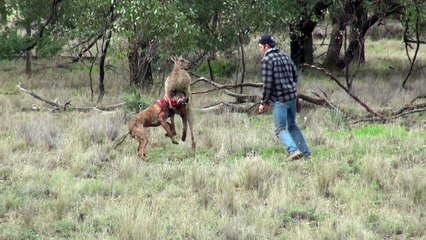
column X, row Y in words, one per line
column 118, row 141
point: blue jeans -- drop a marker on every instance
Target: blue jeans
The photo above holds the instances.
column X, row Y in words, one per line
column 286, row 128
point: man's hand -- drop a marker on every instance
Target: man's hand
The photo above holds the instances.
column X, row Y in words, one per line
column 262, row 108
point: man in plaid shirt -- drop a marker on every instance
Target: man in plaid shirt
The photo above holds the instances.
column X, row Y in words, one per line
column 279, row 75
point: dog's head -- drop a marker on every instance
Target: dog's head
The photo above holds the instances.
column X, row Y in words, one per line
column 179, row 99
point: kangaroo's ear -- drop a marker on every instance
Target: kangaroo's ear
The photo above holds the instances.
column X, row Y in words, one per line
column 173, row 58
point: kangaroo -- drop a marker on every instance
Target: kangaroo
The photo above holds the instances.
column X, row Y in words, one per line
column 180, row 81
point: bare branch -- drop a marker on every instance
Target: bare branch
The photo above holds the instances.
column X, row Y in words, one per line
column 219, row 86
column 243, row 97
column 88, row 47
column 417, row 98
column 370, row 110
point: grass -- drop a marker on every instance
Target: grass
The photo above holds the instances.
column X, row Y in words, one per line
column 365, row 181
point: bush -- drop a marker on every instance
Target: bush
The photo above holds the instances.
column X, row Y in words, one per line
column 10, row 44
column 134, row 102
column 48, row 46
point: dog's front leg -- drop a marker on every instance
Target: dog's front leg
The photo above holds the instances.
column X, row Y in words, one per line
column 167, row 127
column 172, row 130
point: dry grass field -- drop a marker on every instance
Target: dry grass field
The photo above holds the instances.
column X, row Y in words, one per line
column 364, row 181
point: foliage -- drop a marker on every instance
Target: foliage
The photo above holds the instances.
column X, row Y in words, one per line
column 222, row 67
column 158, row 22
column 48, row 46
column 134, row 102
column 10, row 43
column 28, row 12
column 414, row 10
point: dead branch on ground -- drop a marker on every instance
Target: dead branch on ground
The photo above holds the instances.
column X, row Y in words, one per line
column 242, row 98
column 57, row 107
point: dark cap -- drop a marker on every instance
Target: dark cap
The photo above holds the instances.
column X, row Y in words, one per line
column 267, row 39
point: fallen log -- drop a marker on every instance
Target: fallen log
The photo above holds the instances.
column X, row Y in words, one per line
column 57, row 107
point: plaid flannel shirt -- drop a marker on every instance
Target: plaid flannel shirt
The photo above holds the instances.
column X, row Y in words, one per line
column 279, row 75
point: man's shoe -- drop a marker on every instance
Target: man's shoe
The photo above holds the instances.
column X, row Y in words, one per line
column 295, row 155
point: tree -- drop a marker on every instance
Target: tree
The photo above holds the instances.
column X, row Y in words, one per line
column 30, row 15
column 415, row 24
column 301, row 28
column 88, row 22
column 148, row 26
column 359, row 16
column 225, row 25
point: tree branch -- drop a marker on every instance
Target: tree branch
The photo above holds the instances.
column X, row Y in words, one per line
column 219, row 86
column 370, row 110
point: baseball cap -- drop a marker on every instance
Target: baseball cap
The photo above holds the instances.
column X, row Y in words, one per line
column 267, row 39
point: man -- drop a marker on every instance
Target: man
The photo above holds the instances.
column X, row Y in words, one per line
column 279, row 75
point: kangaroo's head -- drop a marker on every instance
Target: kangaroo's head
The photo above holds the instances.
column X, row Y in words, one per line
column 181, row 63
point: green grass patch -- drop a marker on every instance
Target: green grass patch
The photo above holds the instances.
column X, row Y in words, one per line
column 272, row 152
column 322, row 152
column 93, row 187
column 299, row 214
column 380, row 131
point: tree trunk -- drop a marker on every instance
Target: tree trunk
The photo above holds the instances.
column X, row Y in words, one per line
column 332, row 60
column 243, row 70
column 211, row 73
column 139, row 64
column 104, row 51
column 301, row 46
column 28, row 53
column 355, row 50
column 308, row 48
column 147, row 79
column 133, row 59
column 301, row 43
column 296, row 48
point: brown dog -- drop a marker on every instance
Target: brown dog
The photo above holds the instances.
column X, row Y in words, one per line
column 154, row 116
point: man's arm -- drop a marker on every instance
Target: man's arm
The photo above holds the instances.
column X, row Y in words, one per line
column 267, row 78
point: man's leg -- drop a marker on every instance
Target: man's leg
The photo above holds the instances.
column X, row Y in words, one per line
column 280, row 122
column 295, row 131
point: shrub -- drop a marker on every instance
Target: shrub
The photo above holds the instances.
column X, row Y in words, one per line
column 10, row 43
column 134, row 102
